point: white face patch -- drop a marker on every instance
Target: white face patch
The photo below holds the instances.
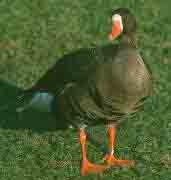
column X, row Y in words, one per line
column 117, row 18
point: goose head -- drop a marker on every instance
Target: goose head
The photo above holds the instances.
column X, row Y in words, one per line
column 123, row 23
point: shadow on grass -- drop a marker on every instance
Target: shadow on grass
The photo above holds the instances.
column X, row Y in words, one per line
column 30, row 119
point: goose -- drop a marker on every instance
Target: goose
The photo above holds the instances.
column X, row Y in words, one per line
column 99, row 85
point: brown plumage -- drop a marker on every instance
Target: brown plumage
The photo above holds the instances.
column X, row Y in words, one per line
column 111, row 86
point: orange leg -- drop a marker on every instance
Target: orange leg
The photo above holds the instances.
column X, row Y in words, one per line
column 86, row 166
column 109, row 158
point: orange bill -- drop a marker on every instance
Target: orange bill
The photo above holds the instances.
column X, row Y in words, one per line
column 116, row 30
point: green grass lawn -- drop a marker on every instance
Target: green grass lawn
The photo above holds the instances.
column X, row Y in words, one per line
column 33, row 35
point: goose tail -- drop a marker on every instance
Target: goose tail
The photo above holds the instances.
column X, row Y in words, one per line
column 39, row 100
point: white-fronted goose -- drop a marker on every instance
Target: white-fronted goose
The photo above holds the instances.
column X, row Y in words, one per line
column 97, row 86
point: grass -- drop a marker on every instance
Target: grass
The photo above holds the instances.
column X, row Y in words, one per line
column 33, row 35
